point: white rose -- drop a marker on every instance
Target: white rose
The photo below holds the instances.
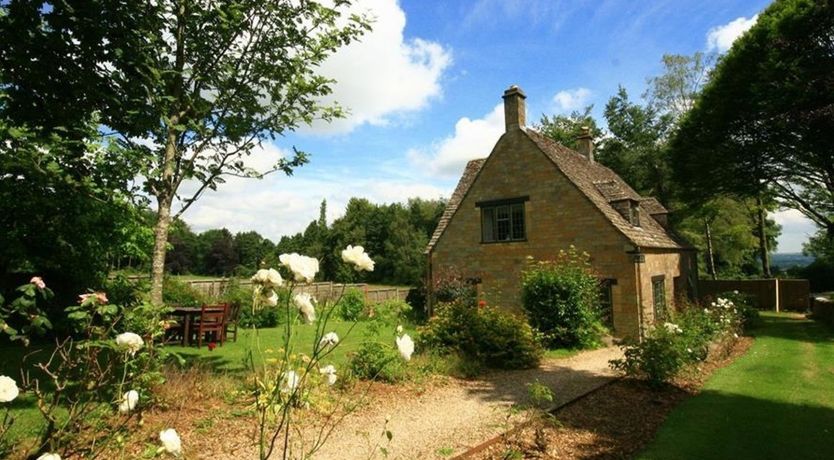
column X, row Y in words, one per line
column 8, row 389
column 261, row 276
column 329, row 372
column 304, row 302
column 357, row 256
column 405, row 346
column 331, row 338
column 49, row 456
column 128, row 401
column 272, row 299
column 673, row 328
column 268, row 278
column 274, row 277
column 130, row 341
column 171, row 442
column 303, row 268
column 289, row 382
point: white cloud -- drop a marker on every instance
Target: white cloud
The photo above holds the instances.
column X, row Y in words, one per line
column 721, row 38
column 384, row 74
column 568, row 100
column 279, row 205
column 472, row 139
column 796, row 229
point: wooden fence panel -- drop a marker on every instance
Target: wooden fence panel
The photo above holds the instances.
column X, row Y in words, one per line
column 767, row 294
column 763, row 292
column 321, row 291
column 794, row 295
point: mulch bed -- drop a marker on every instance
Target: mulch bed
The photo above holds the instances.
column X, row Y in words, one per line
column 615, row 422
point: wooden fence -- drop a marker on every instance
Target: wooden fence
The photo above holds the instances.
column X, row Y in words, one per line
column 321, row 291
column 767, row 294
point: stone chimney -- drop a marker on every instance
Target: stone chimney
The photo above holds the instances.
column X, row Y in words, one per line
column 514, row 108
column 585, row 144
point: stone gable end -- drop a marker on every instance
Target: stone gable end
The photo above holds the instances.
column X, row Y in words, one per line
column 556, row 216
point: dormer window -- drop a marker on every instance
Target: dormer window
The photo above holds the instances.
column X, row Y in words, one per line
column 629, row 209
column 634, row 214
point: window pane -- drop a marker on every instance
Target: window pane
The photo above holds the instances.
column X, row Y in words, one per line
column 606, row 301
column 659, row 295
column 502, row 212
column 488, row 223
column 502, row 218
column 518, row 221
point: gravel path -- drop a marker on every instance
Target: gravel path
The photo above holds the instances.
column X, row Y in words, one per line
column 448, row 419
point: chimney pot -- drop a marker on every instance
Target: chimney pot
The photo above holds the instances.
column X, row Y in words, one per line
column 515, row 110
column 585, row 144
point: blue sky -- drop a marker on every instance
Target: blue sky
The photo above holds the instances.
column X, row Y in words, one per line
column 424, row 89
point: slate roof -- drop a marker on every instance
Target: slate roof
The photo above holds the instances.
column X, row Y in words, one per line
column 652, row 206
column 599, row 184
column 586, row 175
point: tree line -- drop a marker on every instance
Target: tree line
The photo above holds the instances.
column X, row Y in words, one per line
column 395, row 235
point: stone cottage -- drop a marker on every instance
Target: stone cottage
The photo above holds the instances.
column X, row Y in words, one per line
column 533, row 197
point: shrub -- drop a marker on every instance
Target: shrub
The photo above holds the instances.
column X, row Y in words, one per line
column 541, row 396
column 260, row 318
column 669, row 347
column 351, row 305
column 175, row 292
column 416, row 298
column 124, row 291
column 561, row 299
column 658, row 358
column 375, row 361
column 264, row 315
column 84, row 380
column 391, row 311
column 450, row 286
column 485, row 335
column 748, row 314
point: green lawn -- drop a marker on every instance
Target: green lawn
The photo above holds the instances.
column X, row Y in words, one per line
column 232, row 355
column 775, row 402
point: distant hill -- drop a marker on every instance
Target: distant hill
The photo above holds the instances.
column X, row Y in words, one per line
column 790, row 259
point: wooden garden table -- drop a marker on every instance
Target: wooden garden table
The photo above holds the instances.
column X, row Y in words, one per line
column 187, row 314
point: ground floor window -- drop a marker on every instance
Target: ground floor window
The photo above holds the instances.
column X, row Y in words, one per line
column 606, row 300
column 659, row 296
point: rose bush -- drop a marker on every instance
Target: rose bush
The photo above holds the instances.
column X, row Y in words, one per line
column 670, row 347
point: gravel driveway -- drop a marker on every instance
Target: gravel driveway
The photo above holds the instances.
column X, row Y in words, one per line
column 448, row 419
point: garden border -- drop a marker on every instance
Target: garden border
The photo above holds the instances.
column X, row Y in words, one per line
column 496, row 439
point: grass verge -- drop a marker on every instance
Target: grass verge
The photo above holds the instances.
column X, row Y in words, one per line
column 774, row 402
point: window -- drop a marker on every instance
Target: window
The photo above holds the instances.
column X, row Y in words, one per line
column 659, row 296
column 634, row 217
column 503, row 220
column 606, row 300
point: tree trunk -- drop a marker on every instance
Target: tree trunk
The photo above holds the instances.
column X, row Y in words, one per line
column 710, row 256
column 160, row 246
column 763, row 249
column 166, row 188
